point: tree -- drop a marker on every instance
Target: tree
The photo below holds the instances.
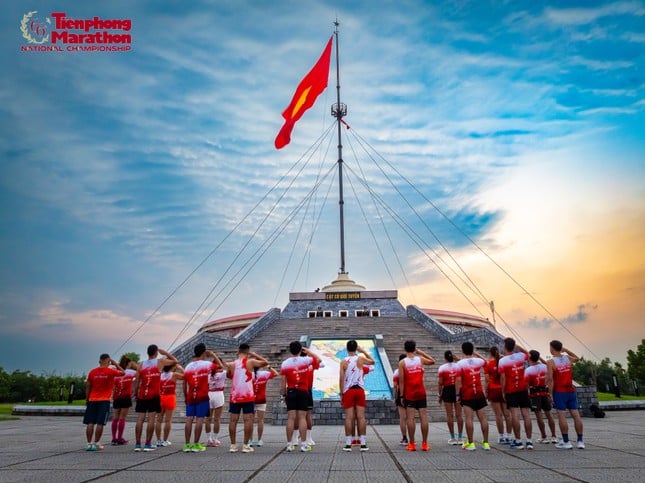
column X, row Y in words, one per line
column 133, row 356
column 584, row 372
column 636, row 363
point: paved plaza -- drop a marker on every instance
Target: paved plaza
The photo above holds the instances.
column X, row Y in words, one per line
column 51, row 449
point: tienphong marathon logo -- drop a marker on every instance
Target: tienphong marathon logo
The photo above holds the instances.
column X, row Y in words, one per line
column 61, row 33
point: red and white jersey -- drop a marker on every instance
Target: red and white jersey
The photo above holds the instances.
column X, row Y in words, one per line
column 123, row 384
column 447, row 373
column 512, row 366
column 494, row 380
column 168, row 383
column 471, row 378
column 562, row 374
column 536, row 378
column 102, row 383
column 217, row 381
column 260, row 385
column 414, row 389
column 149, row 379
column 296, row 371
column 196, row 381
column 241, row 383
column 315, row 365
column 353, row 375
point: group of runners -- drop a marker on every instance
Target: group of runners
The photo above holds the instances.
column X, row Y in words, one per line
column 513, row 385
column 466, row 383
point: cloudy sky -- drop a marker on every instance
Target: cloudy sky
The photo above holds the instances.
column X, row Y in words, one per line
column 496, row 152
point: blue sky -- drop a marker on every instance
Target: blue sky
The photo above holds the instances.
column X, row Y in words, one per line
column 521, row 121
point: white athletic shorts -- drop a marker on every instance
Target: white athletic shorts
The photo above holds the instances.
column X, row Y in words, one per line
column 261, row 407
column 216, row 399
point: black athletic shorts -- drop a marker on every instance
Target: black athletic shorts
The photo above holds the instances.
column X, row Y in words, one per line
column 518, row 399
column 297, row 400
column 416, row 404
column 152, row 405
column 475, row 404
column 448, row 394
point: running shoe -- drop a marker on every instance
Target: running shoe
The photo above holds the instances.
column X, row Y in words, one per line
column 247, row 448
column 486, row 446
column 148, row 447
column 259, row 443
column 470, row 447
column 555, row 440
column 425, row 446
column 581, row 445
column 250, row 443
column 517, row 445
column 233, row 449
column 137, row 447
column 90, row 447
column 411, row 447
column 121, row 441
column 404, row 441
column 290, row 448
column 158, row 444
column 364, row 447
column 347, row 447
column 310, row 442
column 197, row 448
column 563, row 445
column 452, row 441
column 529, row 445
column 188, row 448
column 114, row 442
column 543, row 440
column 210, row 443
column 217, row 443
column 304, row 447
column 461, row 441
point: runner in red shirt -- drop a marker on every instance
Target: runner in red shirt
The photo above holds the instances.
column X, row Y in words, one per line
column 447, row 375
column 98, row 391
column 496, row 398
column 147, row 387
column 122, row 399
column 413, row 389
column 168, row 399
column 196, row 396
column 260, row 379
column 295, row 375
column 470, row 391
column 352, row 388
column 398, row 401
column 242, row 399
column 539, row 393
column 515, row 390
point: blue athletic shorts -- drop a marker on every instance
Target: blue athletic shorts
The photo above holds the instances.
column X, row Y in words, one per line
column 565, row 400
column 198, row 410
column 96, row 412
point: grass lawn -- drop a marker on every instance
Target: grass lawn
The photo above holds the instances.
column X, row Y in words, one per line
column 610, row 396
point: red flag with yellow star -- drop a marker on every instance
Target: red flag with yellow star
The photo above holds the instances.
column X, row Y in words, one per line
column 310, row 87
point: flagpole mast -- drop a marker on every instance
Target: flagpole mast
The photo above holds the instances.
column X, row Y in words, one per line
column 339, row 110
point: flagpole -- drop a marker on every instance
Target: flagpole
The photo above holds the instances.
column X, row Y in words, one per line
column 339, row 110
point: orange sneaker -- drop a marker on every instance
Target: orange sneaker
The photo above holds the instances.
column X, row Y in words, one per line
column 411, row 447
column 425, row 446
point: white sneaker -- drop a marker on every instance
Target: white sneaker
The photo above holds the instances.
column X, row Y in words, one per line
column 304, row 447
column 247, row 448
column 290, row 448
column 563, row 445
column 543, row 440
column 310, row 442
column 452, row 441
column 581, row 445
column 233, row 449
column 554, row 440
